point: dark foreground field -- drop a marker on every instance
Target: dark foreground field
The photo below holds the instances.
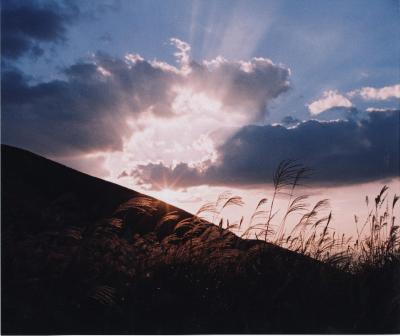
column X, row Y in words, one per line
column 81, row 255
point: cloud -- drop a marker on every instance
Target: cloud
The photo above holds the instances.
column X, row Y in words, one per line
column 370, row 93
column 329, row 100
column 289, row 121
column 159, row 177
column 85, row 112
column 183, row 54
column 27, row 24
column 378, row 109
column 244, row 85
column 341, row 113
column 340, row 152
column 123, row 174
column 334, row 101
column 102, row 101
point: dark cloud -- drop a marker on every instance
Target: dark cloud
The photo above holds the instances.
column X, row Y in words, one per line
column 290, row 121
column 249, row 86
column 158, row 176
column 88, row 109
column 27, row 24
column 340, row 152
column 84, row 112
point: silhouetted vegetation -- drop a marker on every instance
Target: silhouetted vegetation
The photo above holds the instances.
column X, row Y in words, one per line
column 377, row 241
column 80, row 255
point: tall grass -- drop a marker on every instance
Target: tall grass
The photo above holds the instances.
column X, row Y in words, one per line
column 377, row 239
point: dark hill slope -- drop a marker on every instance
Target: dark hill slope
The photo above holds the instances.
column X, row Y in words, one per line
column 81, row 255
column 36, row 187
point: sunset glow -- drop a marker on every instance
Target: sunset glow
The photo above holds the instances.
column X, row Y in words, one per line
column 196, row 167
column 215, row 100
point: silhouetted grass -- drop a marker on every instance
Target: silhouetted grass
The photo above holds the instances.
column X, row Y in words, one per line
column 84, row 256
column 377, row 240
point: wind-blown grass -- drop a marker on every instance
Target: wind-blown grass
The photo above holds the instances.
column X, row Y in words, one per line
column 377, row 239
column 83, row 267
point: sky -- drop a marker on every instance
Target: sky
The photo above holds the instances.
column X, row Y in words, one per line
column 185, row 100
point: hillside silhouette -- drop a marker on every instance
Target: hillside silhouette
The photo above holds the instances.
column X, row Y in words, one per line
column 82, row 255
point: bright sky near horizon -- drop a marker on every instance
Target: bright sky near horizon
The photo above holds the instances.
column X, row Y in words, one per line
column 186, row 99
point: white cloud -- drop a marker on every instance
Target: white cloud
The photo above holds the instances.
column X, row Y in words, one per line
column 377, row 109
column 182, row 113
column 329, row 99
column 133, row 58
column 105, row 102
column 370, row 93
column 103, row 71
column 183, row 54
